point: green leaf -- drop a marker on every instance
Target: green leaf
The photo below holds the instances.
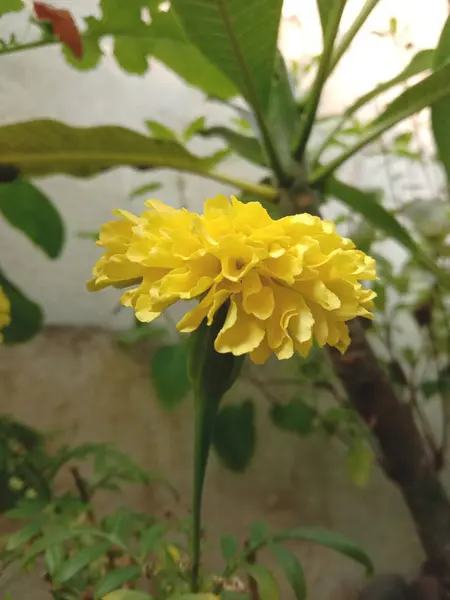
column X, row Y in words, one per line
column 246, row 146
column 53, row 538
column 114, row 579
column 296, row 416
column 234, row 437
column 225, row 31
column 151, row 538
column 91, row 50
column 193, row 128
column 365, row 203
column 160, row 131
column 7, row 6
column 147, row 331
column 24, row 535
column 46, row 147
column 359, row 461
column 199, row 596
column 169, row 374
column 27, row 318
column 171, row 45
column 145, row 189
column 267, row 584
column 440, row 118
column 53, row 557
column 258, row 532
column 292, row 569
column 29, row 210
column 80, row 561
column 328, row 539
column 229, row 547
column 127, row 595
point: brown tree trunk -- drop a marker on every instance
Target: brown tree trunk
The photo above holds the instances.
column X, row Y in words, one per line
column 405, row 457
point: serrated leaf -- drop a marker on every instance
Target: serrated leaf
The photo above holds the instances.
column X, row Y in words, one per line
column 80, row 561
column 234, row 436
column 29, row 210
column 240, row 39
column 359, row 461
column 7, row 6
column 169, row 374
column 150, row 538
column 27, row 318
column 46, row 147
column 267, row 584
column 292, row 569
column 127, row 595
column 24, row 535
column 228, row 546
column 246, row 146
column 296, row 416
column 115, row 579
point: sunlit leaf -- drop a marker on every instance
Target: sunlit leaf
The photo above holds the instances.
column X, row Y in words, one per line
column 268, row 588
column 7, row 6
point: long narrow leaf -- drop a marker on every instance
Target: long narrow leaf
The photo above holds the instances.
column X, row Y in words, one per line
column 440, row 111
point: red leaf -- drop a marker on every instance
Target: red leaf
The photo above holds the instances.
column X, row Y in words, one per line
column 64, row 26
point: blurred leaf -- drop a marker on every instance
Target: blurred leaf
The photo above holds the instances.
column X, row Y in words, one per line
column 258, row 532
column 198, row 596
column 80, row 561
column 115, row 579
column 292, row 569
column 147, row 331
column 328, row 539
column 359, row 462
column 26, row 316
column 145, row 189
column 296, row 416
column 267, row 584
column 46, row 147
column 169, row 374
column 53, row 558
column 127, row 595
column 29, row 210
column 422, row 61
column 24, row 535
column 58, row 536
column 380, row 300
column 7, row 6
column 160, row 131
column 366, row 204
column 91, row 50
column 440, row 118
column 150, row 538
column 403, row 139
column 244, row 145
column 234, row 436
column 223, row 31
column 430, row 388
column 193, row 128
column 229, row 547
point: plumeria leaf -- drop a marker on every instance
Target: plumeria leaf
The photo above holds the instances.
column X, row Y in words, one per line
column 239, row 38
column 46, row 147
column 30, row 211
column 440, row 118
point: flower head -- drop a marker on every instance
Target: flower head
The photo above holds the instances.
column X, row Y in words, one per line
column 286, row 281
column 5, row 312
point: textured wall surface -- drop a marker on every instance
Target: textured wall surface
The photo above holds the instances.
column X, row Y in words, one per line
column 78, row 381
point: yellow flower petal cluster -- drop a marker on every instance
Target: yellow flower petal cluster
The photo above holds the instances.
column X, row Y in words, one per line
column 286, row 281
column 5, row 312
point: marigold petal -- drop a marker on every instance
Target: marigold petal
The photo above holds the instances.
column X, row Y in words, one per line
column 240, row 333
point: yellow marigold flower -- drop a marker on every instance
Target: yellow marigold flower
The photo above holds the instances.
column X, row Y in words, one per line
column 286, row 281
column 5, row 312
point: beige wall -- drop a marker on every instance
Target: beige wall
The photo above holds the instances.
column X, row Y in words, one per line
column 80, row 380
